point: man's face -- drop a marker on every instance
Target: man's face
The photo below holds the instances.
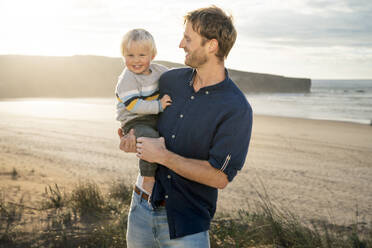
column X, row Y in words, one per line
column 196, row 54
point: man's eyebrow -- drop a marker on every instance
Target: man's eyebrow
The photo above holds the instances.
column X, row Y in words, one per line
column 186, row 36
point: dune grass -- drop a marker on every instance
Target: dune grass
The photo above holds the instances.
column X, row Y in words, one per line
column 10, row 215
column 267, row 225
column 86, row 217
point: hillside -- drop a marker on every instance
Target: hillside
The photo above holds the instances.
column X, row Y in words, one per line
column 95, row 76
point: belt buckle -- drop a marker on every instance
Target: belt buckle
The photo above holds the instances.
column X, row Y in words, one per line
column 142, row 194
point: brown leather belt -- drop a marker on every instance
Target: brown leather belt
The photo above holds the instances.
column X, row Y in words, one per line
column 145, row 196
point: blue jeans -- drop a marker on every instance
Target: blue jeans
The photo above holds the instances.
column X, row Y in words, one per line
column 148, row 228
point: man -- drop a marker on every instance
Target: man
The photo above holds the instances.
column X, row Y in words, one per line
column 205, row 138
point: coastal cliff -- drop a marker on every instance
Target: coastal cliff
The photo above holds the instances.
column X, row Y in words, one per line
column 96, row 76
column 250, row 82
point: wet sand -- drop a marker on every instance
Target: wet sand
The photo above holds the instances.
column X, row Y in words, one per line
column 316, row 169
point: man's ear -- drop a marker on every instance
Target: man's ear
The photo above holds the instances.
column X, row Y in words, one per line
column 213, row 46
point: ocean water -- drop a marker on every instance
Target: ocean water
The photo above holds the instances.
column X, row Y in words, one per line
column 85, row 109
column 340, row 100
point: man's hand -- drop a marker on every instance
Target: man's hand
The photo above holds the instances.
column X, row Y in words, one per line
column 152, row 150
column 128, row 141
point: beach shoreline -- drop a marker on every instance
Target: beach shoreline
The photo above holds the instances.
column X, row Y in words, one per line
column 318, row 169
column 14, row 104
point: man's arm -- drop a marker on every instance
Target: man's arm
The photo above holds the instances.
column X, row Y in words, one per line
column 201, row 171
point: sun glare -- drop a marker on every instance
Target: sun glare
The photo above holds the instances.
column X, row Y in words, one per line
column 33, row 27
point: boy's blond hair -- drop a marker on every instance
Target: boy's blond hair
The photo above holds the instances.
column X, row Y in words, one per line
column 138, row 35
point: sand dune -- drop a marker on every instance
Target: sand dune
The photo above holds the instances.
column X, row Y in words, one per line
column 317, row 169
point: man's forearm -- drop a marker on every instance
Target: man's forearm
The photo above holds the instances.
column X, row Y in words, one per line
column 200, row 171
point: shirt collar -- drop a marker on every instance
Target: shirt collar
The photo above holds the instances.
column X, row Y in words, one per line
column 211, row 87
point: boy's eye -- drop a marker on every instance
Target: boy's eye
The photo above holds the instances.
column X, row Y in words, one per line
column 142, row 55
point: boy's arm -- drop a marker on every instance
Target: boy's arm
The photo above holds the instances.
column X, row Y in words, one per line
column 130, row 98
column 142, row 105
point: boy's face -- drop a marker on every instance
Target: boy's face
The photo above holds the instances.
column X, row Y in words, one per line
column 138, row 57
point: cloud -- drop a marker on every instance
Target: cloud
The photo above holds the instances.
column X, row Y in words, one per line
column 340, row 5
column 318, row 23
column 292, row 37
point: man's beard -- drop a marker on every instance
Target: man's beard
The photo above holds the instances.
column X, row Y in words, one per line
column 196, row 58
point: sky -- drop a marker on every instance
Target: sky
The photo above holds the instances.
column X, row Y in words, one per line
column 318, row 39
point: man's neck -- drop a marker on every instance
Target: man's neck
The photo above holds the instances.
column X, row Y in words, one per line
column 208, row 75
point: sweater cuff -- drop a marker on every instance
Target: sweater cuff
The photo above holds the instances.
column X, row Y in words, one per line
column 160, row 108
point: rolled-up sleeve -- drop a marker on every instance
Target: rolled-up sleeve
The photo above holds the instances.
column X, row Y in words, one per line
column 231, row 141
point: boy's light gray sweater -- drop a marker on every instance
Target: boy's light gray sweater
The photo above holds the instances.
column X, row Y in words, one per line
column 137, row 94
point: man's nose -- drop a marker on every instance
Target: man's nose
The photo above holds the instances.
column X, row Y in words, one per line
column 181, row 45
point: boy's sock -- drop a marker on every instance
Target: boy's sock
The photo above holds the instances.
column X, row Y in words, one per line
column 148, row 184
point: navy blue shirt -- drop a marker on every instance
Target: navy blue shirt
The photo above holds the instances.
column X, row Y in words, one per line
column 213, row 124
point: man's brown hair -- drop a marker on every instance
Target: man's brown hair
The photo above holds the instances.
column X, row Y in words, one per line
column 213, row 23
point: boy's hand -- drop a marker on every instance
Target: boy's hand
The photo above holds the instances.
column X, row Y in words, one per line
column 165, row 101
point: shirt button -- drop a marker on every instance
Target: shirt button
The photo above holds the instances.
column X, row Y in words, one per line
column 181, row 115
column 166, row 196
column 169, row 176
column 173, row 136
column 207, row 92
column 192, row 97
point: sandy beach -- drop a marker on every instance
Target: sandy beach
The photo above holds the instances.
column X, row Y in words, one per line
column 316, row 169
